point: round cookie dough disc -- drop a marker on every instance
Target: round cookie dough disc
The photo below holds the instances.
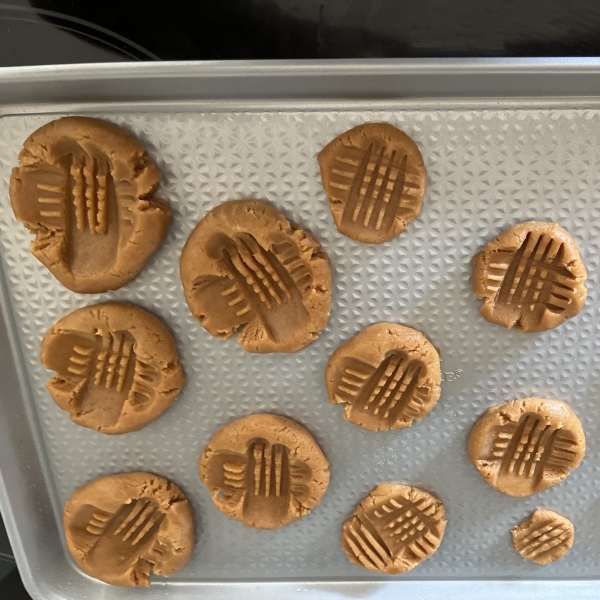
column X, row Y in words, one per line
column 394, row 528
column 531, row 277
column 84, row 187
column 387, row 376
column 264, row 470
column 544, row 538
column 121, row 528
column 524, row 447
column 117, row 366
column 245, row 266
column 375, row 180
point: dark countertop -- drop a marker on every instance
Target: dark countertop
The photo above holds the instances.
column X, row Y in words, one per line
column 68, row 31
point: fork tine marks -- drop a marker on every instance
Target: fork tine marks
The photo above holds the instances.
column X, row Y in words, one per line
column 353, row 204
column 146, row 537
column 78, row 193
column 134, row 522
column 150, row 524
column 369, row 204
column 97, row 523
column 268, row 264
column 120, row 517
column 89, row 173
column 363, row 549
column 387, row 212
column 134, row 514
column 102, row 196
column 379, row 203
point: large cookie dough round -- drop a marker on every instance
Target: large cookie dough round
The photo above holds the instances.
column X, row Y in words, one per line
column 264, row 470
column 117, row 366
column 394, row 528
column 387, row 376
column 122, row 528
column 84, row 187
column 531, row 277
column 544, row 538
column 245, row 266
column 527, row 446
column 375, row 180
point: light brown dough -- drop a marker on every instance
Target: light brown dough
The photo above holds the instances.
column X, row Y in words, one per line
column 544, row 538
column 244, row 265
column 84, row 188
column 264, row 470
column 531, row 277
column 386, row 376
column 394, row 528
column 524, row 447
column 375, row 180
column 121, row 528
column 117, row 366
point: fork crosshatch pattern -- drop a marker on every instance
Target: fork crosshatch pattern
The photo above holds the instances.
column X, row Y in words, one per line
column 123, row 527
column 531, row 277
column 85, row 189
column 487, row 170
column 117, row 367
column 374, row 178
column 544, row 538
column 246, row 269
column 264, row 470
column 394, row 528
column 387, row 376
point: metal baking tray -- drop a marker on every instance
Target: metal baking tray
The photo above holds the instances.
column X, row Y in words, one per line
column 504, row 141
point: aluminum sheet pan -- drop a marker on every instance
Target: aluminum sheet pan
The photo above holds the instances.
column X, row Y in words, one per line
column 491, row 163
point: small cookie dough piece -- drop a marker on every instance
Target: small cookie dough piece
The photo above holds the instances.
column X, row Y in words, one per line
column 122, row 528
column 245, row 265
column 531, row 277
column 544, row 538
column 264, row 470
column 117, row 366
column 524, row 447
column 84, row 187
column 386, row 376
column 394, row 528
column 375, row 180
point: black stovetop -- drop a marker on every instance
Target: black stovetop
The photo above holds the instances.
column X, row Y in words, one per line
column 63, row 31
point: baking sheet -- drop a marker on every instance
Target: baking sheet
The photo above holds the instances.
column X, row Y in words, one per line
column 487, row 170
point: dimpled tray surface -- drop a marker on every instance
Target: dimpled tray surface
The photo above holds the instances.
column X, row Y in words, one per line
column 487, row 170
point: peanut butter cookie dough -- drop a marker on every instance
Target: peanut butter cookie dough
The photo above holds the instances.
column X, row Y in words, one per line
column 524, row 447
column 122, row 528
column 245, row 266
column 375, row 180
column 117, row 367
column 264, row 470
column 531, row 277
column 387, row 376
column 84, row 187
column 394, row 528
column 544, row 538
